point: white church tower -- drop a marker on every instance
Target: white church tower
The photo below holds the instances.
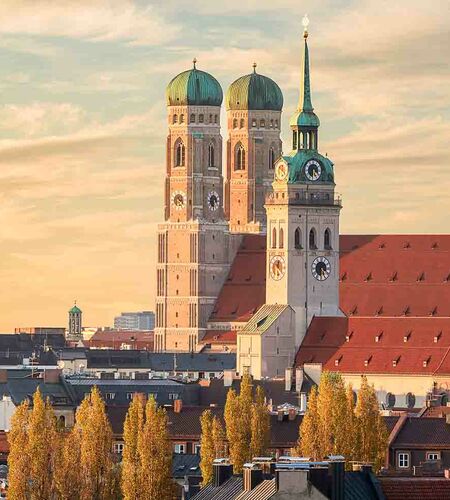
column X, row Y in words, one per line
column 303, row 221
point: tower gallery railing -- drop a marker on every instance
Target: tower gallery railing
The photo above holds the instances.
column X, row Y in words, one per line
column 305, row 198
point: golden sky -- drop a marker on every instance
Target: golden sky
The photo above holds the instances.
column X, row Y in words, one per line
column 82, row 128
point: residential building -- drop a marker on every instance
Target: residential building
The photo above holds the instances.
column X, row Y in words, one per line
column 121, row 339
column 135, row 321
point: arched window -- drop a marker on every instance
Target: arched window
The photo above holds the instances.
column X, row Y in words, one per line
column 294, row 139
column 327, row 239
column 274, row 238
column 181, row 118
column 201, row 118
column 235, row 123
column 276, row 123
column 390, row 400
column 192, row 118
column 210, row 118
column 240, row 157
column 262, row 123
column 298, row 239
column 242, row 124
column 175, row 119
column 216, row 118
column 271, row 158
column 254, row 122
column 410, row 400
column 179, row 153
column 211, row 155
column 271, row 124
column 312, row 239
column 281, row 242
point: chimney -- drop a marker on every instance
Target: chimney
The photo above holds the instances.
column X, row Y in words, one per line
column 253, row 475
column 299, row 376
column 337, row 472
column 177, row 405
column 288, row 379
column 3, row 376
column 222, row 471
column 228, row 376
column 292, row 413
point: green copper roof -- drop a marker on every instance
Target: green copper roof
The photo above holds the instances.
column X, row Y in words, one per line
column 296, row 161
column 194, row 87
column 75, row 310
column 254, row 92
column 305, row 116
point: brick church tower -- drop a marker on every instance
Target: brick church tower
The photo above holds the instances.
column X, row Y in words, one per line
column 254, row 104
column 192, row 256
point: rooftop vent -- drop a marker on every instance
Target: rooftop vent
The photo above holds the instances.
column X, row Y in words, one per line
column 380, row 311
column 407, row 336
column 344, row 276
column 338, row 360
column 396, row 361
column 426, row 362
column 349, row 336
column 407, row 245
column 434, row 245
column 406, row 311
column 447, row 278
column 378, row 337
column 382, row 245
column 434, row 311
column 394, row 277
column 437, row 337
column 421, row 277
column 368, row 360
column 369, row 277
column 354, row 311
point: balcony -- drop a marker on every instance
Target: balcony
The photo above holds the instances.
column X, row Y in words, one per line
column 316, row 198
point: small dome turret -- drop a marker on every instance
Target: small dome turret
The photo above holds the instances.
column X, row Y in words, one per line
column 194, row 87
column 254, row 92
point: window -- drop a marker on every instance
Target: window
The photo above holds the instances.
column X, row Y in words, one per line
column 235, row 123
column 240, row 157
column 327, row 239
column 129, row 396
column 211, row 155
column 433, row 455
column 197, row 449
column 192, row 118
column 410, row 400
column 181, row 118
column 253, row 122
column 210, row 118
column 271, row 158
column 216, row 118
column 403, row 460
column 274, row 238
column 110, row 396
column 276, row 123
column 201, row 118
column 173, row 396
column 180, row 448
column 118, row 448
column 312, row 239
column 180, row 153
column 294, row 139
column 242, row 123
column 390, row 399
column 281, row 242
column 212, row 376
column 271, row 124
column 298, row 239
column 262, row 123
column 175, row 119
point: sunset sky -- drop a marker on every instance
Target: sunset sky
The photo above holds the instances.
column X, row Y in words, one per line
column 83, row 125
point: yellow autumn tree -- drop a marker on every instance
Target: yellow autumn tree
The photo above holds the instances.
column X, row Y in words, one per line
column 326, row 415
column 341, row 419
column 235, row 436
column 18, row 463
column 371, row 435
column 260, row 425
column 133, row 427
column 66, row 475
column 309, row 444
column 94, row 437
column 219, row 438
column 207, row 447
column 155, row 455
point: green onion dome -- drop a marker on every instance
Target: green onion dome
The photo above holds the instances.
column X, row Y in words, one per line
column 254, row 92
column 194, row 88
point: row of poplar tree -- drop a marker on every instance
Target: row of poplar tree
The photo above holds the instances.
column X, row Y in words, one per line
column 49, row 462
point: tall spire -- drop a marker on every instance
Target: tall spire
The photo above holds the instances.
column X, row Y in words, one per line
column 304, row 103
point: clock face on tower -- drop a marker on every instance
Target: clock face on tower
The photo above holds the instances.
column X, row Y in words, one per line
column 178, row 200
column 281, row 171
column 213, row 200
column 277, row 267
column 321, row 268
column 313, row 169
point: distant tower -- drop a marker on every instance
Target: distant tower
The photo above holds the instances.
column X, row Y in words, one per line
column 75, row 321
column 254, row 104
column 303, row 220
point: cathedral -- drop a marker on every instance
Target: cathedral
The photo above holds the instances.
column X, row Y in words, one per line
column 250, row 257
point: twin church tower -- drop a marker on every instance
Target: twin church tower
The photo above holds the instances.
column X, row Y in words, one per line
column 208, row 209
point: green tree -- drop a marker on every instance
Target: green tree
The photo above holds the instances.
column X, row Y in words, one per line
column 131, row 465
column 207, row 447
column 18, row 463
column 155, row 455
column 260, row 425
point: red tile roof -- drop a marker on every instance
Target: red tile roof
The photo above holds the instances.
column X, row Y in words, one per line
column 113, row 339
column 219, row 337
column 396, row 488
column 245, row 288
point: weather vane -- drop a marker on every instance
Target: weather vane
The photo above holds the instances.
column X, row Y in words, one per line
column 305, row 22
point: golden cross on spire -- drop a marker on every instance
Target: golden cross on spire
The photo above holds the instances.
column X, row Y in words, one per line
column 305, row 22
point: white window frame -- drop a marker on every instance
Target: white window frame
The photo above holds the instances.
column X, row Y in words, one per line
column 434, row 453
column 173, row 396
column 403, row 460
column 110, row 396
column 129, row 396
column 179, row 448
column 197, row 448
column 118, row 448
